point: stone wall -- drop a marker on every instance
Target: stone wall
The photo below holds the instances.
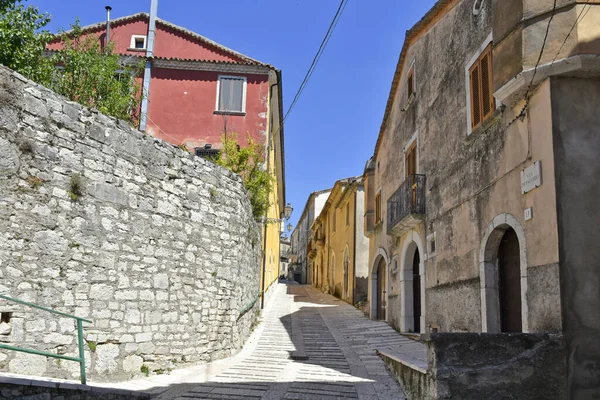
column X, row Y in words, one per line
column 496, row 366
column 158, row 247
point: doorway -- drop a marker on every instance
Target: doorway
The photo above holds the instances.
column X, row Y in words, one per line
column 381, row 290
column 416, row 292
column 509, row 282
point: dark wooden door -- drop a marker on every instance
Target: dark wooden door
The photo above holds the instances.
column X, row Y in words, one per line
column 381, row 285
column 416, row 293
column 509, row 272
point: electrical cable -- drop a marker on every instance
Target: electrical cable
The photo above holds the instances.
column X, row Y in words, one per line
column 320, row 51
column 527, row 93
column 577, row 21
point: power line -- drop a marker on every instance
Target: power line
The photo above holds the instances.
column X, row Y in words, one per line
column 526, row 105
column 315, row 60
column 577, row 21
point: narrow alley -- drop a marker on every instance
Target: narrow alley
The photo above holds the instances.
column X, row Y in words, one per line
column 311, row 346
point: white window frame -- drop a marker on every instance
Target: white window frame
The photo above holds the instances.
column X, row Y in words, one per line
column 244, row 89
column 133, row 40
column 468, row 65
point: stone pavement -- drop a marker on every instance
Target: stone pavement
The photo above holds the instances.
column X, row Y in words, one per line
column 312, row 346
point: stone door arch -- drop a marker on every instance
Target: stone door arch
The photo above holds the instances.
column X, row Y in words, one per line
column 500, row 228
column 412, row 285
column 378, row 292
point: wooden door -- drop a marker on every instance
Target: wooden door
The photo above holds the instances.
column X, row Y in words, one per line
column 509, row 273
column 381, row 290
column 416, row 293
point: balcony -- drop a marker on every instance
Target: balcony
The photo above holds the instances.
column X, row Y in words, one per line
column 406, row 207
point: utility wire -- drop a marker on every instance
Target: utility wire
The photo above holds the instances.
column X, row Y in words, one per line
column 577, row 21
column 527, row 93
column 315, row 60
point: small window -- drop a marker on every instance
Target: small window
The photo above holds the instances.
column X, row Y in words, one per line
column 138, row 42
column 378, row 208
column 483, row 103
column 231, row 94
column 411, row 83
column 432, row 244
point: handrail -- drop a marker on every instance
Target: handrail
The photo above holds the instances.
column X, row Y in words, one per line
column 80, row 321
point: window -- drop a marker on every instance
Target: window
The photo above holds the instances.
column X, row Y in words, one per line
column 411, row 83
column 483, row 103
column 432, row 244
column 138, row 42
column 378, row 208
column 231, row 94
column 347, row 213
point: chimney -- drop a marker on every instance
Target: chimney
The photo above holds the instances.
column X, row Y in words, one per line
column 108, row 9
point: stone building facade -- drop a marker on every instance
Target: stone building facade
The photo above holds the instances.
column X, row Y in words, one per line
column 481, row 196
column 157, row 247
column 342, row 247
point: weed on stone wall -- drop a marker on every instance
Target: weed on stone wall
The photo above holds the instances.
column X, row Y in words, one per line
column 75, row 187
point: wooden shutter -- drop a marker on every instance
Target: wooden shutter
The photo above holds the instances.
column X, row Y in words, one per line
column 475, row 96
column 411, row 160
column 483, row 103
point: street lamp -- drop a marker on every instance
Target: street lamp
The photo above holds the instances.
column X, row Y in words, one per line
column 289, row 227
column 288, row 211
column 286, row 214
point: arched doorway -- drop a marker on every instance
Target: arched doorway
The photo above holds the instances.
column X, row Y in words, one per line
column 503, row 276
column 416, row 292
column 509, row 283
column 381, row 290
column 412, row 285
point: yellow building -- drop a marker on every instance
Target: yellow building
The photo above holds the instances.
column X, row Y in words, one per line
column 342, row 249
column 273, row 222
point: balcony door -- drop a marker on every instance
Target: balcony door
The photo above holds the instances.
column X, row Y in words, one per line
column 411, row 170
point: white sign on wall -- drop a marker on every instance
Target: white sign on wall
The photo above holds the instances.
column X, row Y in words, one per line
column 531, row 177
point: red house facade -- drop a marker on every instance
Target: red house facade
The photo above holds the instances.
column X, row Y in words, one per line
column 195, row 91
column 198, row 88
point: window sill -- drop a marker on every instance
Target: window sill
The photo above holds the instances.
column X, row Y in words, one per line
column 488, row 122
column 240, row 113
column 409, row 103
column 136, row 50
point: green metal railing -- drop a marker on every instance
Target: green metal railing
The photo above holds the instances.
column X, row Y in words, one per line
column 80, row 321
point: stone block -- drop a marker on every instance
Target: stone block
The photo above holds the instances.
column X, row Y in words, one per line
column 106, row 356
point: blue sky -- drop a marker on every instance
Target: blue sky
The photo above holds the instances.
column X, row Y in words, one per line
column 332, row 130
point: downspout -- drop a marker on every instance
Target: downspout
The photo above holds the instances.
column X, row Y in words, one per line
column 107, row 39
column 148, row 67
column 266, row 225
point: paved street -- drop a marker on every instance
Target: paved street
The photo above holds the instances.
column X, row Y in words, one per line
column 312, row 346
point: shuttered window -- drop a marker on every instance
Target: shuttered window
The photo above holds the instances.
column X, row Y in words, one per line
column 411, row 82
column 232, row 93
column 483, row 103
column 378, row 208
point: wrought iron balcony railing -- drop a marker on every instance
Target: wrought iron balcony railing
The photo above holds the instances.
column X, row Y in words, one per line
column 406, row 207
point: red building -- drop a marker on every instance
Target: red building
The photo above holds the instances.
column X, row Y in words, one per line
column 197, row 90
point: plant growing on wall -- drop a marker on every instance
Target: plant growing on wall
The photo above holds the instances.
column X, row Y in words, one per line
column 82, row 70
column 95, row 76
column 249, row 163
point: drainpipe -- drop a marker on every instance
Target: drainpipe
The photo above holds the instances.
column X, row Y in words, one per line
column 108, row 9
column 148, row 68
column 268, row 156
